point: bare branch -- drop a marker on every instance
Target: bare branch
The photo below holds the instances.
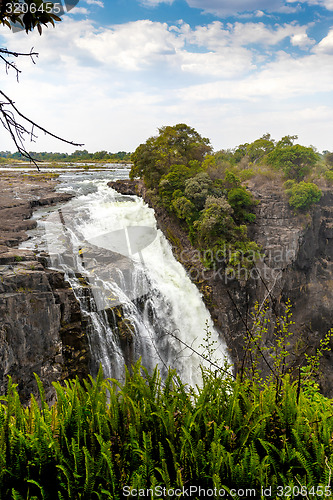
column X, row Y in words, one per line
column 18, row 131
column 30, row 54
column 187, row 346
column 9, row 64
column 8, row 111
column 47, row 132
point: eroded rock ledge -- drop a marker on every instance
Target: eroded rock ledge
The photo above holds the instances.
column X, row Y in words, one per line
column 41, row 328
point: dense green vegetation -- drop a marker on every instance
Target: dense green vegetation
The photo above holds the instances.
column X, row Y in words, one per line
column 214, row 205
column 77, row 156
column 207, row 191
column 101, row 437
column 302, row 195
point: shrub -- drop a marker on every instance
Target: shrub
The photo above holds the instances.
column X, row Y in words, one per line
column 241, row 201
column 102, row 438
column 197, row 189
column 184, row 208
column 329, row 177
column 303, row 195
column 296, row 161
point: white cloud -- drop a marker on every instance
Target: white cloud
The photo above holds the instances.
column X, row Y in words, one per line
column 326, row 44
column 112, row 87
column 95, row 2
column 78, row 10
column 285, row 78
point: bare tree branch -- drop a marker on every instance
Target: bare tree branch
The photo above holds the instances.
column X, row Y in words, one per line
column 10, row 114
column 18, row 131
column 9, row 64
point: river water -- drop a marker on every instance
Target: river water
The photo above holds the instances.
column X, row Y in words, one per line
column 138, row 300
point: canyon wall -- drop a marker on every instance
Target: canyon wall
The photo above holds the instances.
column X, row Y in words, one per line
column 41, row 327
column 296, row 264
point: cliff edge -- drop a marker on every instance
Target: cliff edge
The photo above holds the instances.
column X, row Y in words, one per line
column 41, row 327
column 296, row 264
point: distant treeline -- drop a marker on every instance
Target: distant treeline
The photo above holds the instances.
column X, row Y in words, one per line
column 78, row 155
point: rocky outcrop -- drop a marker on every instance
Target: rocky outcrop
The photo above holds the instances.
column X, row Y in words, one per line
column 41, row 327
column 296, row 264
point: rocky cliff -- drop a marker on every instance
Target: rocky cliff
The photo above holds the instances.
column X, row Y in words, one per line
column 41, row 328
column 296, row 264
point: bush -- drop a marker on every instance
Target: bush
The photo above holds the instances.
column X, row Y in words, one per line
column 295, row 161
column 184, row 208
column 329, row 177
column 241, row 201
column 197, row 189
column 303, row 195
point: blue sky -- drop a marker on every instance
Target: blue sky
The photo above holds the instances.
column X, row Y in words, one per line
column 113, row 71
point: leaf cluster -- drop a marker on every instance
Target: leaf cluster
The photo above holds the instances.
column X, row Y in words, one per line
column 175, row 145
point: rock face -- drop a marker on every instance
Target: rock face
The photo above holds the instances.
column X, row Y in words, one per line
column 296, row 264
column 299, row 251
column 41, row 328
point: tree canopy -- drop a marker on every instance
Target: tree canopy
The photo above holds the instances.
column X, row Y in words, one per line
column 295, row 161
column 175, row 145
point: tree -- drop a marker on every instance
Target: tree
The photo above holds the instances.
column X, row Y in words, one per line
column 329, row 158
column 295, row 161
column 177, row 145
column 287, row 140
column 259, row 148
column 29, row 14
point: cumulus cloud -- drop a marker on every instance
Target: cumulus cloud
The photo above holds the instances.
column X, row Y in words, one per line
column 109, row 84
column 326, row 44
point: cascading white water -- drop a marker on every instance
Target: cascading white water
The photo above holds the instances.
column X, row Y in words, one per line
column 119, row 264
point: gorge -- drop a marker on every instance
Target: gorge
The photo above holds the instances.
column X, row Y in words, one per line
column 43, row 329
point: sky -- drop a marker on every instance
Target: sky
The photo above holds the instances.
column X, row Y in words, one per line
column 114, row 71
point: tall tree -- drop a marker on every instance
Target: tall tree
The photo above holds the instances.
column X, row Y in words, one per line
column 175, row 145
column 295, row 161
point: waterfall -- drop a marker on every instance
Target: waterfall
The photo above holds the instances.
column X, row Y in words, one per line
column 138, row 299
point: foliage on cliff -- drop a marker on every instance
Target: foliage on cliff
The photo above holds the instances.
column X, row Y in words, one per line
column 178, row 145
column 302, row 195
column 215, row 208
